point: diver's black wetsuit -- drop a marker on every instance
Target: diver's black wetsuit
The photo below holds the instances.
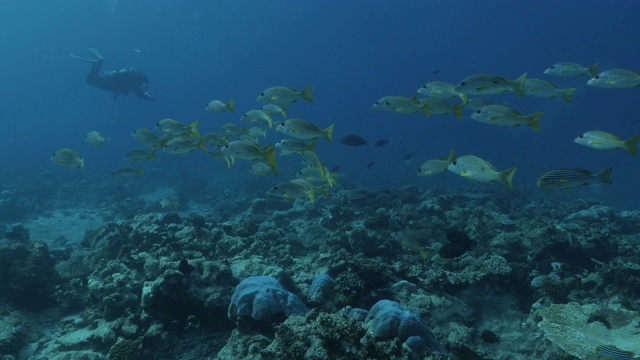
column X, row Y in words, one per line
column 120, row 81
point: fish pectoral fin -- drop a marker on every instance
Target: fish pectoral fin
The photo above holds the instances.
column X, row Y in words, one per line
column 494, row 118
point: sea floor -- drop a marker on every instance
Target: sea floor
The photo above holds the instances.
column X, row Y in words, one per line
column 494, row 275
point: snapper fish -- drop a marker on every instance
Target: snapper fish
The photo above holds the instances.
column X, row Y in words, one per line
column 231, row 129
column 251, row 151
column 304, row 130
column 257, row 132
column 489, row 84
column 475, row 169
column 291, row 191
column 285, row 95
column 570, row 178
column 616, row 78
column 137, row 155
column 545, row 89
column 218, row 154
column 296, row 145
column 504, row 116
column 408, row 242
column 175, row 128
column 180, row 146
column 258, row 117
column 402, row 105
column 570, row 69
column 276, row 110
column 262, row 168
column 149, row 138
column 602, row 140
column 441, row 107
column 436, row 166
column 316, row 175
column 220, row 106
column 169, row 203
column 441, row 90
column 95, row 139
column 478, row 103
column 127, row 172
column 68, row 158
column 215, row 139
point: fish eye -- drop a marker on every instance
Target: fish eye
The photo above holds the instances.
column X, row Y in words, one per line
column 262, row 94
column 377, row 102
column 275, row 188
column 463, row 83
column 597, row 77
column 455, row 162
column 424, row 86
column 552, row 67
column 581, row 136
column 478, row 112
column 387, row 103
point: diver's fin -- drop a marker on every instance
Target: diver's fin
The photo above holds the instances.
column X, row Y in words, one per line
column 84, row 59
column 95, row 53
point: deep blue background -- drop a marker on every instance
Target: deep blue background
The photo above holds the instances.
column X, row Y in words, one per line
column 353, row 52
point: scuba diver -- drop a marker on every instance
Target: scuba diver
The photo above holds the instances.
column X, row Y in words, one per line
column 120, row 81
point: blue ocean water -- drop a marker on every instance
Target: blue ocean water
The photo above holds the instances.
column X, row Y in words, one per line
column 353, row 52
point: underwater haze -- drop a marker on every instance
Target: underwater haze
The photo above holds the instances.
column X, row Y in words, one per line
column 353, row 53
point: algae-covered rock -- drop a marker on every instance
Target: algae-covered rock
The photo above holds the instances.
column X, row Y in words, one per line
column 579, row 329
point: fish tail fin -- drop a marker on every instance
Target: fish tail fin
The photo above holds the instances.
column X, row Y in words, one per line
column 306, row 93
column 605, row 176
column 231, row 106
column 506, row 178
column 245, row 130
column 593, row 70
column 312, row 146
column 312, row 194
column 425, row 252
column 270, row 155
column 464, row 98
column 457, row 110
column 533, row 120
column 229, row 160
column 193, row 127
column 631, row 144
column 452, row 156
column 270, row 120
column 274, row 169
column 201, row 145
column 153, row 155
column 332, row 179
column 284, row 110
column 328, row 132
column 424, row 107
column 139, row 170
column 519, row 85
column 566, row 95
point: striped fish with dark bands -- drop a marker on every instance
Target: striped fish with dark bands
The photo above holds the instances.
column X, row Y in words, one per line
column 569, row 178
column 613, row 353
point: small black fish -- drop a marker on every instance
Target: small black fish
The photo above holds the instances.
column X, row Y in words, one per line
column 353, row 140
column 436, row 71
column 335, row 169
column 381, row 142
column 369, row 165
column 408, row 156
column 490, row 337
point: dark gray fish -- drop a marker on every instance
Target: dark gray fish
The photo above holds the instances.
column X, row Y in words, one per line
column 408, row 156
column 569, row 178
column 335, row 169
column 353, row 140
column 369, row 165
column 381, row 142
